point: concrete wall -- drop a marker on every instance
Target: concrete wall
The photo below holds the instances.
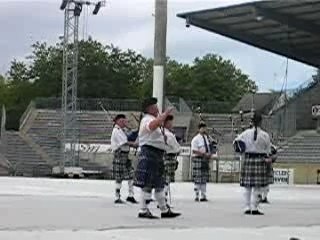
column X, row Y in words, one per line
column 303, row 173
column 297, row 115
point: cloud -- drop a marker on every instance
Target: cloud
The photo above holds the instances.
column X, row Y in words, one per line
column 130, row 24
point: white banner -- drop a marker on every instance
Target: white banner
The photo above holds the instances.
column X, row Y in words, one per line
column 227, row 166
column 283, row 176
column 106, row 148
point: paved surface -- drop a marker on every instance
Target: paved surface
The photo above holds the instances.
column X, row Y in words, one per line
column 31, row 205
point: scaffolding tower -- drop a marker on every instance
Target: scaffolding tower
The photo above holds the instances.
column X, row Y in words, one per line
column 70, row 127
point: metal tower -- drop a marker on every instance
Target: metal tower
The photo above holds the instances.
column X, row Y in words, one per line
column 70, row 129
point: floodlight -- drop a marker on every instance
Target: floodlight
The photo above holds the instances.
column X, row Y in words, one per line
column 187, row 22
column 77, row 9
column 97, row 8
column 64, row 4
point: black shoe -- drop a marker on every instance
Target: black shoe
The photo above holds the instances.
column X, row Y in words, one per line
column 147, row 215
column 132, row 200
column 265, row 201
column 247, row 212
column 148, row 201
column 196, row 199
column 203, row 199
column 256, row 212
column 170, row 214
column 119, row 201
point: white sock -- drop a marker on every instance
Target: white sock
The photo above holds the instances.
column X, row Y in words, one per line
column 166, row 189
column 203, row 188
column 118, row 188
column 255, row 200
column 197, row 189
column 160, row 197
column 130, row 186
column 265, row 192
column 144, row 197
column 247, row 198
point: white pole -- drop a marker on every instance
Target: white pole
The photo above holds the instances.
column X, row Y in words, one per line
column 160, row 38
column 158, row 79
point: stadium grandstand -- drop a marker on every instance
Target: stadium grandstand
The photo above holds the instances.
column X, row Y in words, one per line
column 36, row 148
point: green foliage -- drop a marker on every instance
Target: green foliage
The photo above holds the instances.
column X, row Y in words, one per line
column 210, row 78
column 109, row 72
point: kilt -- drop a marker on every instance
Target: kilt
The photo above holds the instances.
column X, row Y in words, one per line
column 122, row 166
column 270, row 173
column 254, row 172
column 150, row 168
column 200, row 170
column 170, row 165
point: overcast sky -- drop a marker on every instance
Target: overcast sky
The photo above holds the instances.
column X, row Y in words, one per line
column 130, row 24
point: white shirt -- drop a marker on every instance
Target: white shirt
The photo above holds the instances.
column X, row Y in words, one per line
column 147, row 137
column 119, row 139
column 198, row 144
column 261, row 145
column 172, row 144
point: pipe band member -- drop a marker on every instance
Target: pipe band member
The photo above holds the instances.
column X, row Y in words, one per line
column 256, row 146
column 122, row 165
column 265, row 191
column 172, row 151
column 201, row 156
column 150, row 168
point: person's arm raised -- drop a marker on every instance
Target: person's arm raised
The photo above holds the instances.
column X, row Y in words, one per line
column 154, row 124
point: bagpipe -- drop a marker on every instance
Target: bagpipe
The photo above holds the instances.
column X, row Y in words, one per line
column 274, row 153
column 132, row 135
column 240, row 147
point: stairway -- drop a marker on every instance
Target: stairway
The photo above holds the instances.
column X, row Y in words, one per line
column 23, row 159
column 303, row 147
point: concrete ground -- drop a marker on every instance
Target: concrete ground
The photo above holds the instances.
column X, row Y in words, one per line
column 44, row 208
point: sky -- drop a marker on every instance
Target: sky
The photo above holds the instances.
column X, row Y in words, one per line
column 130, row 24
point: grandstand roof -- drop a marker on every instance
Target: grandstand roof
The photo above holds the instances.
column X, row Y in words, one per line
column 289, row 28
column 258, row 101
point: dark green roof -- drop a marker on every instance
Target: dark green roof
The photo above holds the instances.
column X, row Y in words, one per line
column 288, row 28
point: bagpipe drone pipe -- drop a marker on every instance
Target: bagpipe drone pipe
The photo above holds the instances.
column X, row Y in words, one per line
column 213, row 144
column 132, row 135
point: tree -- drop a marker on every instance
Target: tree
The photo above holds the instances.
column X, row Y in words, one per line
column 106, row 71
column 210, row 78
column 18, row 72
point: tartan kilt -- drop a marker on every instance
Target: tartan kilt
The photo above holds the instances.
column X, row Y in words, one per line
column 170, row 165
column 200, row 170
column 254, row 172
column 150, row 168
column 122, row 166
column 270, row 173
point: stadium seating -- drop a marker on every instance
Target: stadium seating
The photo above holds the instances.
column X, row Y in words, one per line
column 23, row 159
column 303, row 147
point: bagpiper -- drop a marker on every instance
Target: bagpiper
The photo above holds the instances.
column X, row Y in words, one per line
column 255, row 144
column 170, row 158
column 150, row 168
column 201, row 155
column 122, row 165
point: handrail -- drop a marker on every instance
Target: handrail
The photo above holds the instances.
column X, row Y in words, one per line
column 26, row 114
